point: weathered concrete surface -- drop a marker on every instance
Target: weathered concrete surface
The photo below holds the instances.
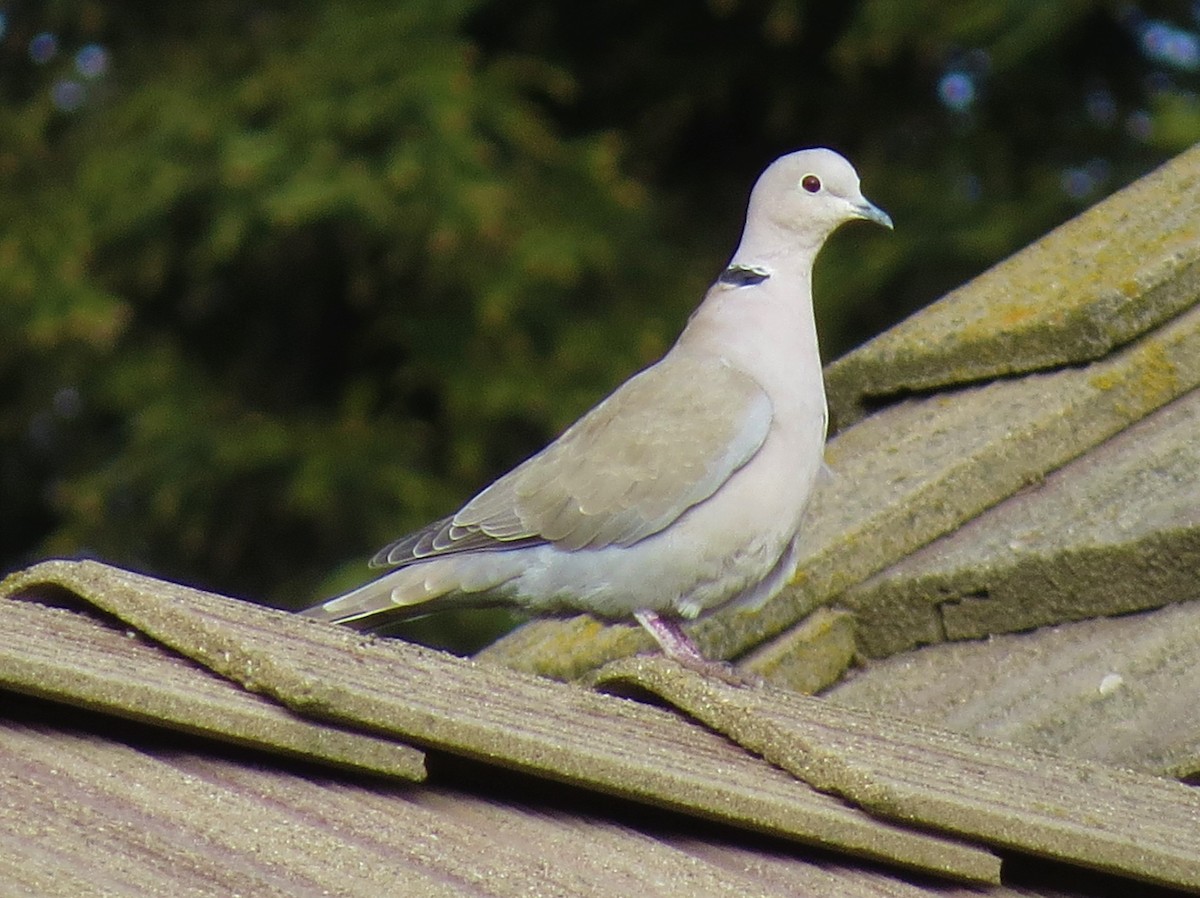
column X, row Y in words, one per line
column 1071, row 810
column 1116, row 531
column 1122, row 691
column 1107, row 276
column 811, row 655
column 77, row 660
column 552, row 731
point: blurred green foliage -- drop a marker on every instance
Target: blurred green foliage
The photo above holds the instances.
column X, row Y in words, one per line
column 290, row 279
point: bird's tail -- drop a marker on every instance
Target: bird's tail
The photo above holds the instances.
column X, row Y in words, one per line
column 367, row 601
column 398, row 595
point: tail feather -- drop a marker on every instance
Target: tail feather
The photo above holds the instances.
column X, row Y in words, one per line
column 395, row 596
column 369, row 600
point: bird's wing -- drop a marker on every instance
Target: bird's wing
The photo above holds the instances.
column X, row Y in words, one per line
column 665, row 441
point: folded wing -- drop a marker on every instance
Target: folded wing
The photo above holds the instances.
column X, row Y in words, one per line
column 662, row 443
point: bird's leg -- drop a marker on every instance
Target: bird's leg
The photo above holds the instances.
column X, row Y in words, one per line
column 670, row 637
column 679, row 647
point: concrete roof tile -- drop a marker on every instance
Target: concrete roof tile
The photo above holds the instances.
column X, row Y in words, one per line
column 1117, row 530
column 1086, row 813
column 76, row 659
column 489, row 713
column 1120, row 690
column 1111, row 274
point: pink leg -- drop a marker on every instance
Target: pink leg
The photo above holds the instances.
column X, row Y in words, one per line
column 679, row 648
column 670, row 637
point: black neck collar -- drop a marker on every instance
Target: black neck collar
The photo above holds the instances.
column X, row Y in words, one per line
column 743, row 276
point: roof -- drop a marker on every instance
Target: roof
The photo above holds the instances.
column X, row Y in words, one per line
column 766, row 760
column 489, row 713
column 1018, row 456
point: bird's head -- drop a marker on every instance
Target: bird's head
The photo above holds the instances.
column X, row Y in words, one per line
column 810, row 193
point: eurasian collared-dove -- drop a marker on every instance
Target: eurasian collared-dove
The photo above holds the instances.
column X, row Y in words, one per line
column 682, row 491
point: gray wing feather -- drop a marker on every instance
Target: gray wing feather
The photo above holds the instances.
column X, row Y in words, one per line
column 663, row 442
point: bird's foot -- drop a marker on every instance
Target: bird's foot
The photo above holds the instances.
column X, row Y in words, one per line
column 678, row 646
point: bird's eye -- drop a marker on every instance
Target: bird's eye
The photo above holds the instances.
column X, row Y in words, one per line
column 811, row 183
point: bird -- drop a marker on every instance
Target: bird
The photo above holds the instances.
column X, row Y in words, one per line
column 684, row 490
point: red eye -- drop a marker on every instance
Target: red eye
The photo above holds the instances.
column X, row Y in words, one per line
column 811, row 183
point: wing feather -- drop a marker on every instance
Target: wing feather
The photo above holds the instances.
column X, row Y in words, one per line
column 665, row 441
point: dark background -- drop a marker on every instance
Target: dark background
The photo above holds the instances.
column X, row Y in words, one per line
column 279, row 282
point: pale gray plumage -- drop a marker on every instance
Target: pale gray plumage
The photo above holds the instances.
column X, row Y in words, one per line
column 684, row 489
